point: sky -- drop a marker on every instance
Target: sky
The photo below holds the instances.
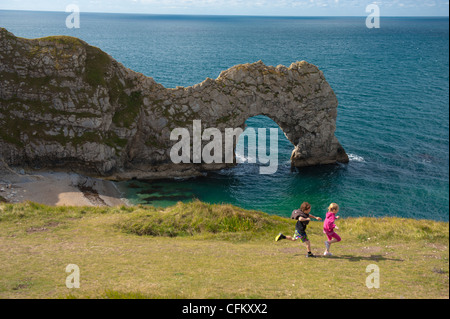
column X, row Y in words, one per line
column 241, row 7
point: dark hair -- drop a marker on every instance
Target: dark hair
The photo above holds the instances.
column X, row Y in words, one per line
column 305, row 206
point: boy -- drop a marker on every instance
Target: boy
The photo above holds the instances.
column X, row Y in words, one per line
column 303, row 217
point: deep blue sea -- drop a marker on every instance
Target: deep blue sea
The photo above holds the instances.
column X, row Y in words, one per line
column 392, row 84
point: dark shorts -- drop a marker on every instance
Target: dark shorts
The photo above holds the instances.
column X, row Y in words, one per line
column 300, row 235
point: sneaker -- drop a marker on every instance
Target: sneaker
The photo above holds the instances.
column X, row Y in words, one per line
column 280, row 236
column 327, row 254
column 327, row 244
column 310, row 255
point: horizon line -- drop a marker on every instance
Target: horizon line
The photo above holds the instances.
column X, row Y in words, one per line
column 237, row 15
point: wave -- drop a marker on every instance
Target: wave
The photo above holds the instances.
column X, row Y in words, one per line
column 356, row 158
column 241, row 159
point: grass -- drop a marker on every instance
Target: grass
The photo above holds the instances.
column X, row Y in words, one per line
column 131, row 104
column 97, row 63
column 199, row 250
column 199, row 218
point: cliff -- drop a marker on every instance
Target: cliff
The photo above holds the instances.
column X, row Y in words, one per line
column 64, row 103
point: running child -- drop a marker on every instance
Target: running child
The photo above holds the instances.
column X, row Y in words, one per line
column 329, row 227
column 303, row 218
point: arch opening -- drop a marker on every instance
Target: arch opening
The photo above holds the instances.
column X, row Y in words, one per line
column 263, row 143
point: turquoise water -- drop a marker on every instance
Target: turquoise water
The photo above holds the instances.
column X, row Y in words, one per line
column 392, row 85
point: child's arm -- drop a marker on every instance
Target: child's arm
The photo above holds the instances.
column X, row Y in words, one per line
column 335, row 227
column 315, row 217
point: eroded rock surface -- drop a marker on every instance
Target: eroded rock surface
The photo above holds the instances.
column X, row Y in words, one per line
column 64, row 103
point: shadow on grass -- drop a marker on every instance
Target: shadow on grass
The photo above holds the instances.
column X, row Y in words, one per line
column 357, row 258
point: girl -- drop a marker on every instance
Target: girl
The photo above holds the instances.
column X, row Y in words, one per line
column 329, row 227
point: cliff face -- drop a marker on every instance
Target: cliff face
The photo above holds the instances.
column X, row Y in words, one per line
column 66, row 103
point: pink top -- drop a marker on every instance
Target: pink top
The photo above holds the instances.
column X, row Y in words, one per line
column 328, row 224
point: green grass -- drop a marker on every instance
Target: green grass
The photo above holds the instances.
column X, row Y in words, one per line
column 198, row 218
column 97, row 63
column 62, row 39
column 126, row 116
column 199, row 250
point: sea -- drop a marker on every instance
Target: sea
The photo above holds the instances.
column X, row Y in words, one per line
column 392, row 84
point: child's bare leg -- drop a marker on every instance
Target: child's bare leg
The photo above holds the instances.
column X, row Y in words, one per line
column 290, row 238
column 333, row 240
column 308, row 246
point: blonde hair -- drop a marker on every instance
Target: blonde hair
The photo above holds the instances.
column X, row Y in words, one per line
column 333, row 206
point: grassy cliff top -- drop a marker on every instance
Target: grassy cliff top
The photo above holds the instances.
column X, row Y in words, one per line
column 199, row 250
column 60, row 39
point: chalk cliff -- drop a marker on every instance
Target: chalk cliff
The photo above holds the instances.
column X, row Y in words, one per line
column 64, row 103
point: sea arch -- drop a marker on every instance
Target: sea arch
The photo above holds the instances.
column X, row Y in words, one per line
column 297, row 98
column 66, row 103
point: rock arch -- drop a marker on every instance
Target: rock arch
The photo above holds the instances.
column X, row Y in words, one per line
column 297, row 98
column 66, row 103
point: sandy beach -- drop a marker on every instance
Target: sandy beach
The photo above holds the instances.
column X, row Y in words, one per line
column 56, row 188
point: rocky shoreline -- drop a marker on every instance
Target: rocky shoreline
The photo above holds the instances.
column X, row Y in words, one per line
column 56, row 188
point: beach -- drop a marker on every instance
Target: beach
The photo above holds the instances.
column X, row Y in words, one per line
column 56, row 188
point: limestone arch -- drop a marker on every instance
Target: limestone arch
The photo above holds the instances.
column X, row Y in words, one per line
column 297, row 98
